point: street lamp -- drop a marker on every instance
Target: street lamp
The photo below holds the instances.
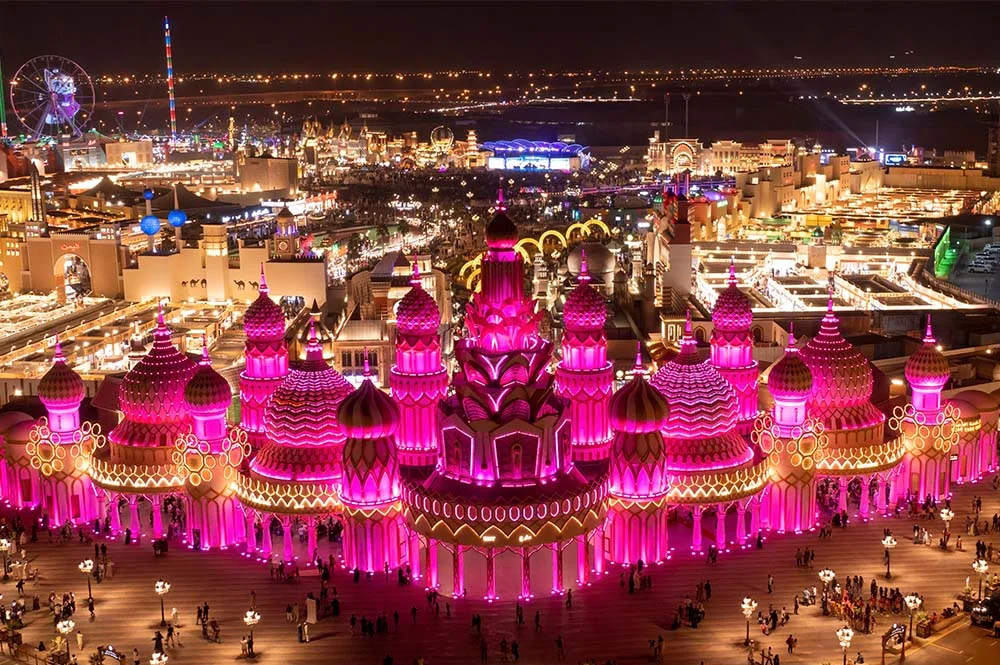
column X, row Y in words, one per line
column 87, row 567
column 826, row 576
column 158, row 659
column 844, row 636
column 65, row 627
column 888, row 543
column 251, row 619
column 5, row 546
column 749, row 606
column 161, row 588
column 913, row 603
column 947, row 514
column 981, row 568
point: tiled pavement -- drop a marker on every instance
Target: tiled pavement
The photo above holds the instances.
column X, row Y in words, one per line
column 604, row 622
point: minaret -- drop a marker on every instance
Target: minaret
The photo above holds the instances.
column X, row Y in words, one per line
column 732, row 347
column 418, row 379
column 793, row 444
column 266, row 360
column 584, row 375
column 61, row 390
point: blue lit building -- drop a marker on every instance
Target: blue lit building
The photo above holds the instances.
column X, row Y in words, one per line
column 524, row 155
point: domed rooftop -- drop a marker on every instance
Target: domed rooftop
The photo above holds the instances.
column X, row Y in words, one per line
column 301, row 423
column 371, row 463
column 417, row 313
column 842, row 378
column 790, row 377
column 983, row 401
column 638, row 407
column 732, row 308
column 61, row 386
column 600, row 261
column 263, row 320
column 368, row 413
column 927, row 368
column 501, row 232
column 584, row 308
column 208, row 391
column 702, row 403
column 151, row 395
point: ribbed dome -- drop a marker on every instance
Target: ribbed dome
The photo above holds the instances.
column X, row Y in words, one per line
column 417, row 313
column 263, row 320
column 584, row 308
column 637, row 407
column 369, row 413
column 702, row 403
column 501, row 233
column 207, row 391
column 841, row 373
column 732, row 308
column 61, row 386
column 790, row 377
column 151, row 395
column 927, row 368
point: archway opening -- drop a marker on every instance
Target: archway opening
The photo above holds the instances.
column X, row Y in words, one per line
column 72, row 278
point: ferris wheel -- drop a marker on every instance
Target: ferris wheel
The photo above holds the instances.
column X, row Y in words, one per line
column 52, row 96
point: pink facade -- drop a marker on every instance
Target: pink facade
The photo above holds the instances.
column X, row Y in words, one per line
column 732, row 347
column 266, row 361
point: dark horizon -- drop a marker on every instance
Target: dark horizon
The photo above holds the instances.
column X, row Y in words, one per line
column 316, row 37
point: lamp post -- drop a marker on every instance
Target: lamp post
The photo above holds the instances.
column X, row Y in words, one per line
column 913, row 603
column 65, row 627
column 87, row 567
column 981, row 568
column 748, row 607
column 5, row 548
column 947, row 515
column 158, row 659
column 826, row 576
column 844, row 636
column 161, row 588
column 251, row 619
column 888, row 543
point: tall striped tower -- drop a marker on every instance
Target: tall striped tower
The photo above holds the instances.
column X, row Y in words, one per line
column 170, row 78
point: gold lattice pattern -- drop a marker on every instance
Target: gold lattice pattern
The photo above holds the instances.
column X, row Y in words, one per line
column 801, row 446
column 197, row 464
column 844, row 460
column 928, row 434
column 718, row 486
column 52, row 453
column 292, row 497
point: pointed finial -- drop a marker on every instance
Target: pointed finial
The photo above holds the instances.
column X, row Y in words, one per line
column 58, row 357
column 829, row 299
column 160, row 322
column 929, row 332
column 262, row 285
column 639, row 367
column 732, row 270
column 205, row 360
column 367, row 369
column 791, row 337
column 584, row 276
column 500, row 204
column 415, row 279
column 687, row 326
column 313, row 340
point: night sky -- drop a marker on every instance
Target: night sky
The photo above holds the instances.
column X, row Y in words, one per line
column 111, row 37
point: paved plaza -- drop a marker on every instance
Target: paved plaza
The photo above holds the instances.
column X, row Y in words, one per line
column 604, row 622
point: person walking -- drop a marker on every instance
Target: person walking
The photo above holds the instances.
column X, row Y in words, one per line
column 413, row 614
column 538, row 621
column 791, row 643
column 560, row 649
column 79, row 641
column 770, row 583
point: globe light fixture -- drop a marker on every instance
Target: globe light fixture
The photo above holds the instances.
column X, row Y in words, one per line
column 913, row 603
column 888, row 543
column 162, row 588
column 64, row 628
column 981, row 567
column 844, row 636
column 748, row 607
column 87, row 568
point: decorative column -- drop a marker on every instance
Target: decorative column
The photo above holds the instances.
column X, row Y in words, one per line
column 116, row 514
column 458, row 564
column 842, row 499
column 598, row 556
column 133, row 515
column 491, row 577
column 582, row 569
column 865, row 496
column 696, row 528
column 157, row 509
column 741, row 524
column 415, row 567
column 755, row 516
column 525, row 573
column 287, row 523
column 251, row 533
column 880, row 506
column 432, row 564
column 311, row 525
column 265, row 535
column 720, row 527
column 557, row 568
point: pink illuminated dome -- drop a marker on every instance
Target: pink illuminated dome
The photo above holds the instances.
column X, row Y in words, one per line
column 927, row 368
column 263, row 319
column 61, row 386
column 501, row 232
column 638, row 455
column 790, row 378
column 584, row 308
column 371, row 465
column 417, row 313
column 151, row 395
column 732, row 308
column 208, row 391
column 301, row 424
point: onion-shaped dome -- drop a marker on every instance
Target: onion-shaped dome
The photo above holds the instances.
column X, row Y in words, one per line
column 966, row 411
column 264, row 320
column 985, row 402
column 501, row 232
column 301, row 424
column 417, row 313
column 638, row 407
column 584, row 308
column 702, row 403
column 208, row 391
column 790, row 377
column 61, row 386
column 732, row 308
column 601, row 262
column 369, row 413
column 151, row 395
column 927, row 368
column 371, row 464
column 841, row 373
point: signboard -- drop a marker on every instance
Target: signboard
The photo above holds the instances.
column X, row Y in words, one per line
column 895, row 158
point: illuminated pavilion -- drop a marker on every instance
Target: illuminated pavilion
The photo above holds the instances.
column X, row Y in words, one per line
column 519, row 471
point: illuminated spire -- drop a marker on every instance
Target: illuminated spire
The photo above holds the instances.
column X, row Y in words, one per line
column 929, row 332
column 262, row 286
column 415, row 280
column 367, row 367
column 205, row 360
column 584, row 276
column 790, row 347
column 58, row 357
column 639, row 367
column 732, row 271
column 500, row 204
